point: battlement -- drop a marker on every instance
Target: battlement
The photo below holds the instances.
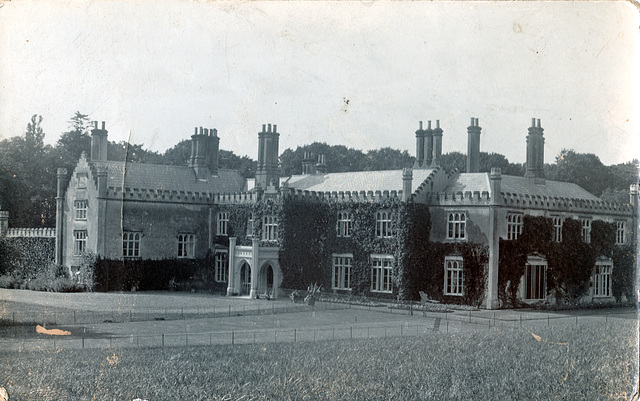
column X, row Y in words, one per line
column 340, row 196
column 235, row 198
column 31, row 233
column 566, row 204
column 158, row 195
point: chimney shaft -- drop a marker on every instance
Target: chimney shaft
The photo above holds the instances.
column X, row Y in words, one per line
column 535, row 151
column 473, row 146
column 99, row 142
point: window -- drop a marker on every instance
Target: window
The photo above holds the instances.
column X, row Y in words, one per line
column 620, row 233
column 131, row 245
column 383, row 224
column 221, row 260
column 453, row 275
column 535, row 280
column 342, row 272
column 381, row 269
column 223, row 223
column 514, row 225
column 187, row 246
column 602, row 278
column 457, row 226
column 557, row 229
column 269, row 228
column 81, row 181
column 81, row 209
column 586, row 230
column 79, row 242
column 250, row 226
column 345, row 224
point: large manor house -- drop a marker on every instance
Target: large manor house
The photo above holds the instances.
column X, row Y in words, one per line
column 121, row 210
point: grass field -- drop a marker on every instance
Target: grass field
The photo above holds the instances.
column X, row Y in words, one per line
column 558, row 362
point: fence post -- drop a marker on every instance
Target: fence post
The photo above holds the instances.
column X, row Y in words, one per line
column 210, row 334
column 351, row 331
column 74, row 317
column 14, row 318
column 400, row 330
column 334, row 334
column 163, row 339
column 576, row 320
column 233, row 338
column 110, row 338
column 548, row 322
column 295, row 335
column 82, row 341
column 130, row 315
column 229, row 310
column 521, row 320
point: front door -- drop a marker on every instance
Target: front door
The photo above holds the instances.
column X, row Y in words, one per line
column 245, row 279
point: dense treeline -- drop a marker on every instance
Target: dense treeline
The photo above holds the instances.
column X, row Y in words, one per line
column 28, row 166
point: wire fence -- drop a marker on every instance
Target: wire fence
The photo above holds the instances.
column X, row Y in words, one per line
column 438, row 323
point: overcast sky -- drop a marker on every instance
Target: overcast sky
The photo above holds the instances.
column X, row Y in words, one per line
column 361, row 74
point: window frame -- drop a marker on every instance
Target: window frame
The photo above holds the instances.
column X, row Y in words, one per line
column 342, row 272
column 457, row 225
column 270, row 227
column 222, row 223
column 81, row 207
column 384, row 220
column 221, row 266
column 585, row 231
column 453, row 276
column 558, row 222
column 514, row 228
column 602, row 279
column 344, row 225
column 186, row 246
column 538, row 264
column 79, row 242
column 620, row 232
column 131, row 245
column 382, row 273
column 81, row 180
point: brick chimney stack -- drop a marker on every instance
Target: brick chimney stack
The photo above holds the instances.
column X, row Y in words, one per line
column 98, row 143
column 321, row 166
column 437, row 145
column 268, row 142
column 213, row 149
column 198, row 160
column 407, row 178
column 535, row 151
column 428, row 146
column 307, row 163
column 473, row 146
column 419, row 147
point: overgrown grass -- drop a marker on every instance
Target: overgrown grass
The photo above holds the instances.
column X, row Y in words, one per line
column 566, row 362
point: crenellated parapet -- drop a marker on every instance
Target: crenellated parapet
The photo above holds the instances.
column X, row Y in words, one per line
column 235, row 198
column 464, row 198
column 339, row 196
column 566, row 204
column 31, row 233
column 158, row 195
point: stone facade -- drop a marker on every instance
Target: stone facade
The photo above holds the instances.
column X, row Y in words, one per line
column 119, row 210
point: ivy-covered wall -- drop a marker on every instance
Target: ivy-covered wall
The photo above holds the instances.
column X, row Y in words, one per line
column 309, row 239
column 570, row 263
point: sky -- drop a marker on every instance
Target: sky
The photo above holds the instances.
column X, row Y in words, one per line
column 359, row 74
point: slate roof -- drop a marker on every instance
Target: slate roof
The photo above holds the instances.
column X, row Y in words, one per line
column 387, row 180
column 519, row 185
column 168, row 177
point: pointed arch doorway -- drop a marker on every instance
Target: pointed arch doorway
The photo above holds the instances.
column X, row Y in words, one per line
column 245, row 279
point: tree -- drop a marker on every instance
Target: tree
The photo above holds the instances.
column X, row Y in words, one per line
column 584, row 169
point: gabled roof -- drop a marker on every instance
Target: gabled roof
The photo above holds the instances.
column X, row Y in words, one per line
column 168, row 178
column 386, row 180
column 519, row 186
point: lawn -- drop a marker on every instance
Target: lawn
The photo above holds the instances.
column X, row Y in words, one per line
column 567, row 362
